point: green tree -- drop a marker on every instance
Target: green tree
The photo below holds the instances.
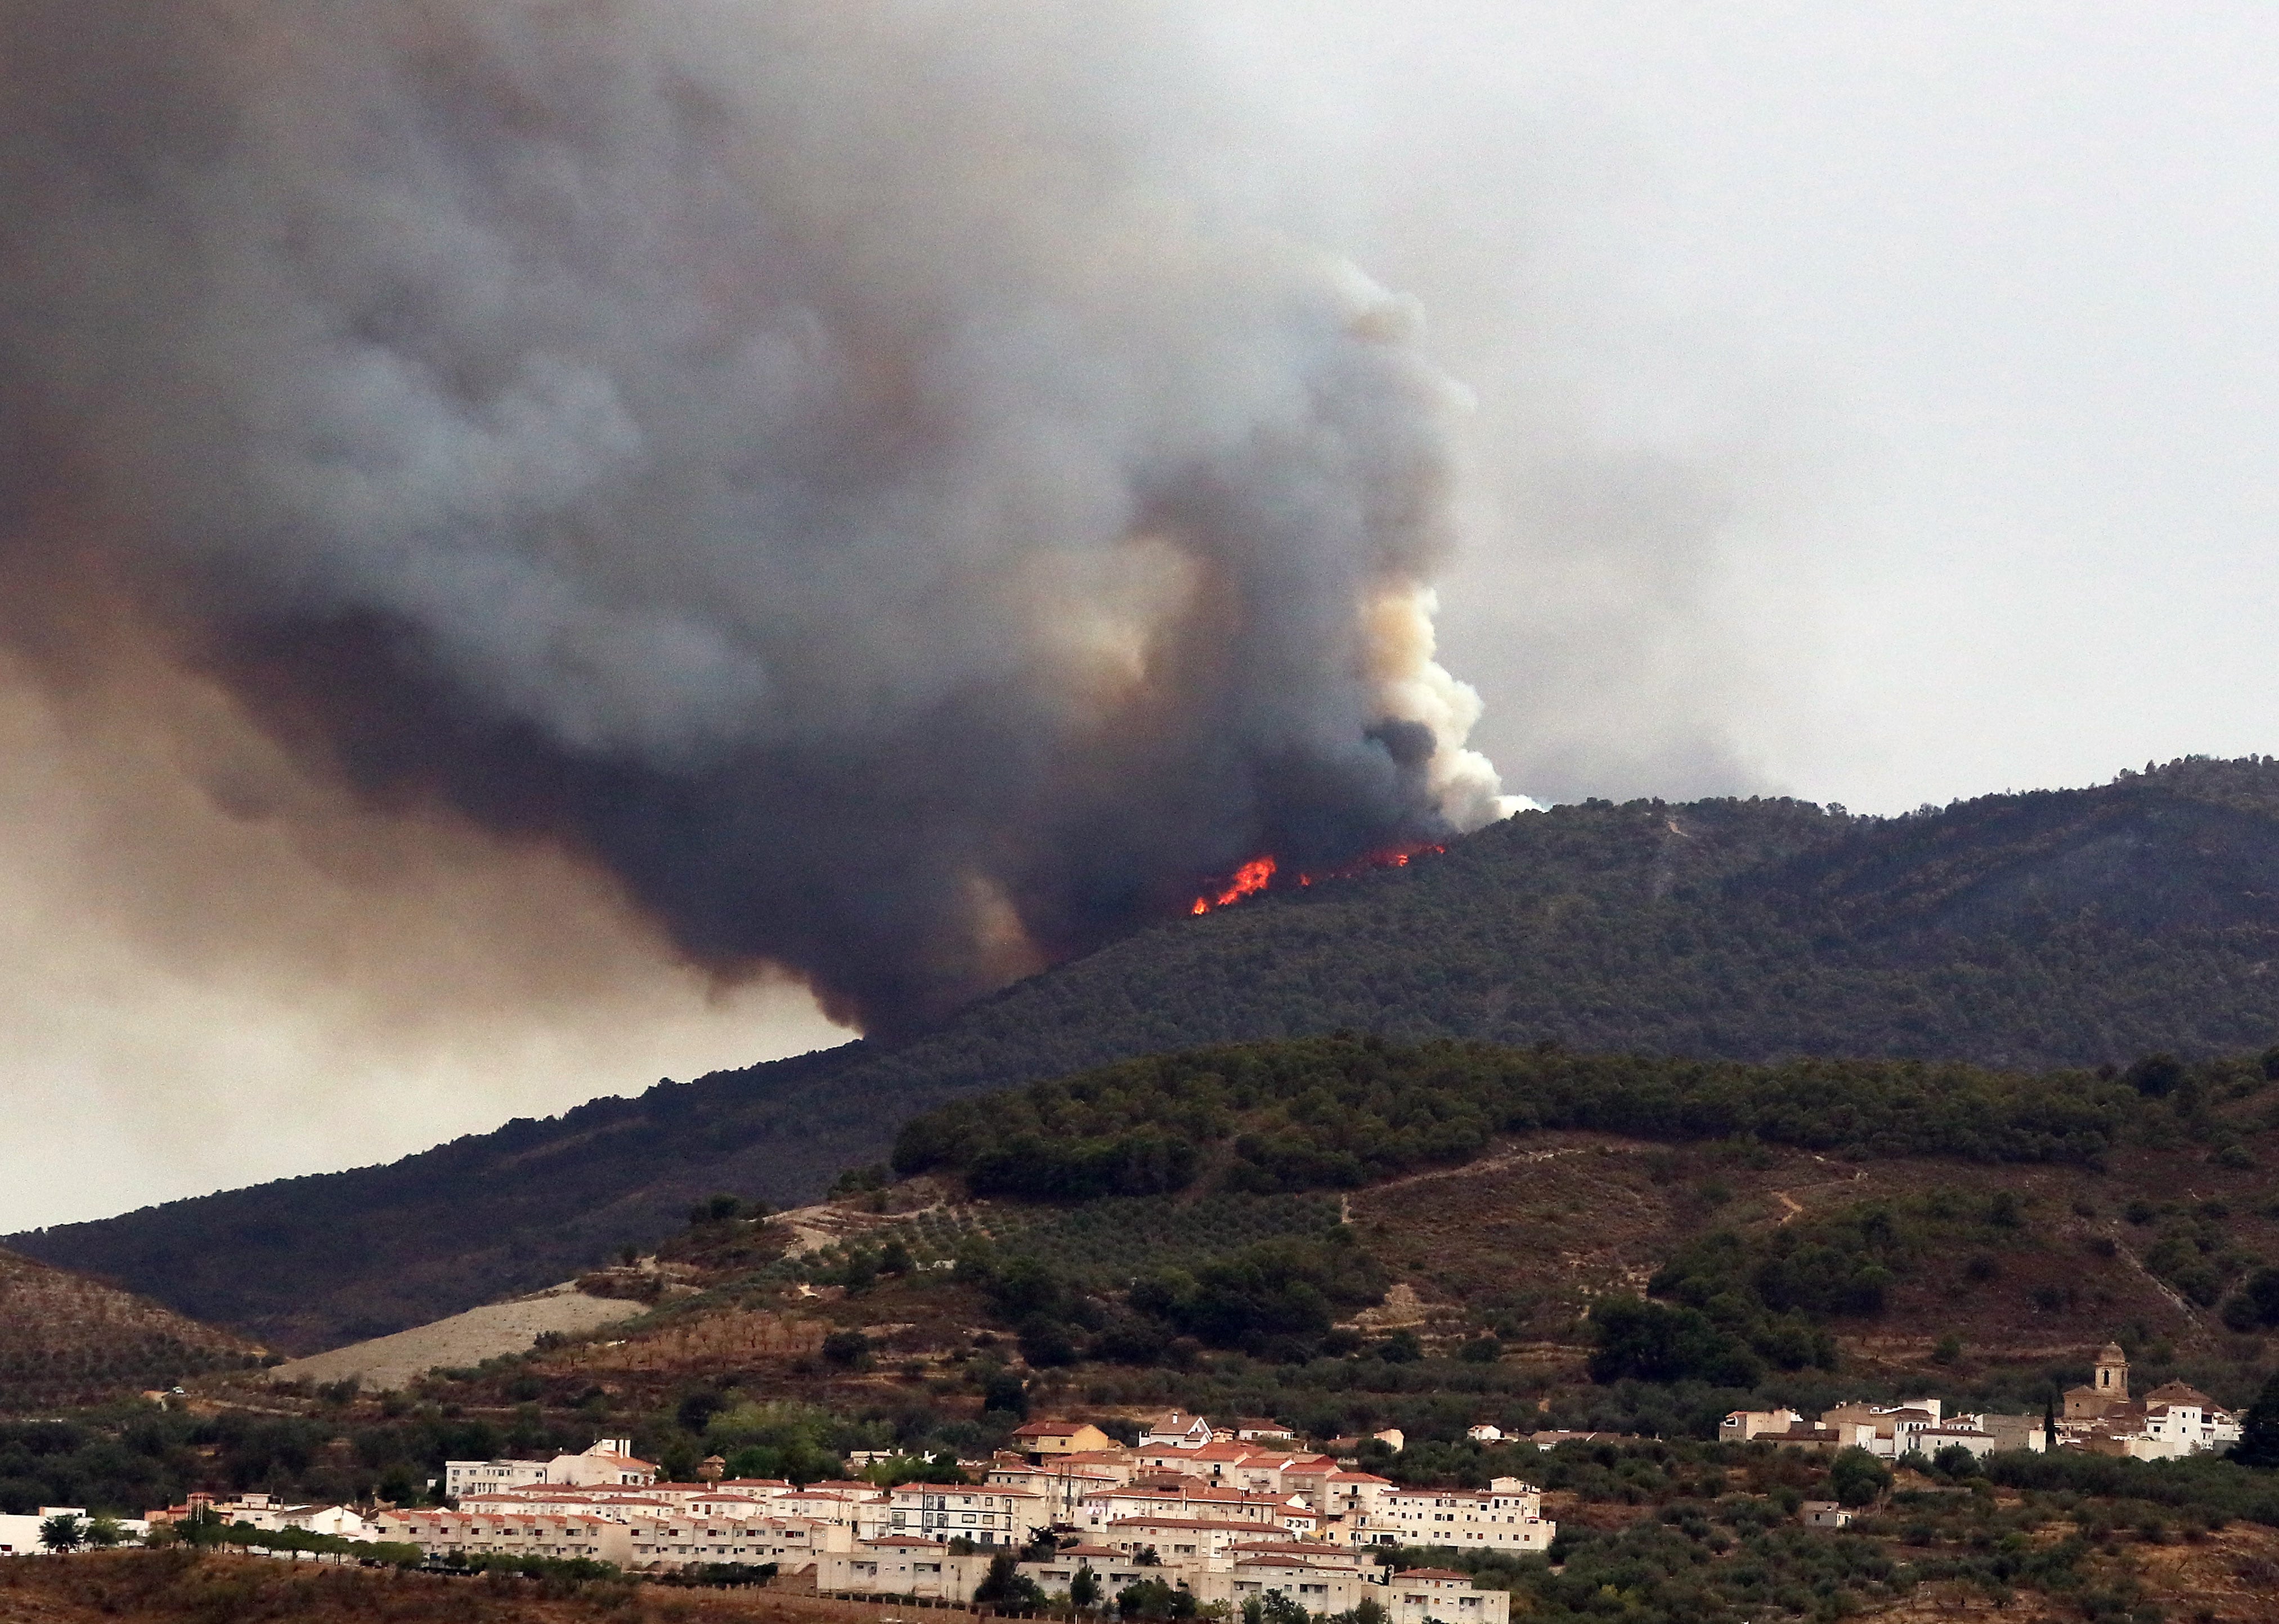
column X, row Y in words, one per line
column 2255, row 1306
column 941, row 1468
column 1084, row 1589
column 62, row 1532
column 1953, row 1459
column 1654, row 1342
column 715, row 1210
column 1004, row 1390
column 104, row 1532
column 2258, row 1432
column 1153, row 1599
column 1856, row 1477
column 1006, row 1586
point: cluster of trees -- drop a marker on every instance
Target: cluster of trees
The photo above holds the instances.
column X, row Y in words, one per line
column 1277, row 1300
column 63, row 1533
column 1343, row 1110
column 1032, row 1166
column 759, row 1438
column 1729, row 1305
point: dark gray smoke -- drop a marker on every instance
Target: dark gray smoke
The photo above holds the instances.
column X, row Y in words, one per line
column 841, row 466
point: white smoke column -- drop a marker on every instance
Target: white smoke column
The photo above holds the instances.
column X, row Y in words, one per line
column 834, row 464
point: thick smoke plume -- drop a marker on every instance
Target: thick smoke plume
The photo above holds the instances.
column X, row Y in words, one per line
column 838, row 466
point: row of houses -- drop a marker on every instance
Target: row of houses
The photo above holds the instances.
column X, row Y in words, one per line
column 1321, row 1578
column 1230, row 1564
column 1131, row 1496
column 1223, row 1517
column 1914, row 1425
column 266, row 1512
column 2173, row 1421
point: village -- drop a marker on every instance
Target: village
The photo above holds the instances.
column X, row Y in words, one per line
column 1218, row 1516
column 2172, row 1421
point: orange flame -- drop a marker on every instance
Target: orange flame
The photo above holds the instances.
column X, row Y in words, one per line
column 1253, row 876
column 1248, row 880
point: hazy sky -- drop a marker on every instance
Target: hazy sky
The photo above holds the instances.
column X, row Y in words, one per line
column 1874, row 405
column 1938, row 339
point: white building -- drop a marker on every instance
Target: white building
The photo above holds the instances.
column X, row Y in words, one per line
column 1350, row 1497
column 1256, row 1429
column 1322, row 1579
column 610, row 1462
column 1436, row 1595
column 273, row 1515
column 1182, row 1540
column 1188, row 1496
column 686, row 1541
column 1740, row 1426
column 1322, row 1585
column 1961, row 1432
column 1114, row 1570
column 461, row 1478
column 987, row 1513
column 902, row 1565
column 1508, row 1515
column 528, row 1533
column 2187, row 1420
column 1059, row 1485
column 1177, row 1427
column 20, row 1535
column 1888, row 1432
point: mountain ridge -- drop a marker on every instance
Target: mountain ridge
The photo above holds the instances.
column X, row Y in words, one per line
column 2048, row 928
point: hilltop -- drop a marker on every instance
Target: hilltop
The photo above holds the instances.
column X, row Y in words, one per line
column 65, row 1340
column 2050, row 929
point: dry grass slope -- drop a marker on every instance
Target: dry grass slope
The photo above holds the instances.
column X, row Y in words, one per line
column 469, row 1338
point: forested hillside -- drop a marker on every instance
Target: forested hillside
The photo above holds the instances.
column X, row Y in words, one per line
column 2031, row 931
